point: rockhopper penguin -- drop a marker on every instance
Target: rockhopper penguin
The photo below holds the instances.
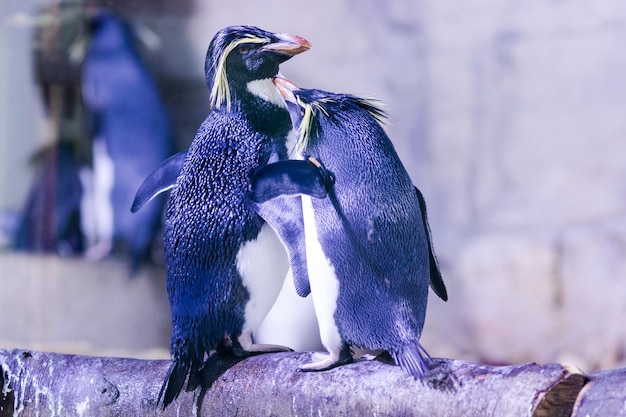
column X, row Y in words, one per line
column 369, row 255
column 225, row 265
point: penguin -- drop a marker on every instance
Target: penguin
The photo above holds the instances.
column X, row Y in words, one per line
column 284, row 214
column 224, row 264
column 50, row 221
column 131, row 134
column 369, row 253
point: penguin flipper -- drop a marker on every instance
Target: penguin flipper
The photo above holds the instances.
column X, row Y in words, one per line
column 160, row 180
column 436, row 280
column 284, row 215
column 289, row 177
column 301, row 281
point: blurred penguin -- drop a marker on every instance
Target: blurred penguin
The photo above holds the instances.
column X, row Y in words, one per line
column 131, row 136
column 50, row 220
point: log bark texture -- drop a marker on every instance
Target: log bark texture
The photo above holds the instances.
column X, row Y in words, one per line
column 603, row 395
column 51, row 384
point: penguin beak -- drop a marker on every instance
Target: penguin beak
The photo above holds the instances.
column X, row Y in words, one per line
column 286, row 89
column 288, row 45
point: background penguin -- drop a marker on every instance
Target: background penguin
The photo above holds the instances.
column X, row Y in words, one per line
column 131, row 136
column 368, row 250
column 50, row 221
column 225, row 266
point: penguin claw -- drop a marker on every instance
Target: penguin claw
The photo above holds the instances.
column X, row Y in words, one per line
column 257, row 349
column 269, row 348
column 319, row 356
column 327, row 362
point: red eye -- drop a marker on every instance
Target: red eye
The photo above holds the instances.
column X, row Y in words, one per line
column 243, row 49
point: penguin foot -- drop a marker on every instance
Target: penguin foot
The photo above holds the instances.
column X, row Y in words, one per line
column 244, row 346
column 324, row 362
column 255, row 349
column 329, row 362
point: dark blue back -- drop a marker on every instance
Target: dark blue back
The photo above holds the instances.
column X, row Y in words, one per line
column 376, row 242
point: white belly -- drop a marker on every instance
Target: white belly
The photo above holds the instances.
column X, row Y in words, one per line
column 97, row 219
column 323, row 280
column 291, row 321
column 263, row 264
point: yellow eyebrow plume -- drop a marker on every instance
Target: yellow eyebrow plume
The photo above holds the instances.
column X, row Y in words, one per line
column 220, row 93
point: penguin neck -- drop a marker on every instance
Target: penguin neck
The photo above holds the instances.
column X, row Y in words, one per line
column 267, row 91
column 257, row 92
column 263, row 107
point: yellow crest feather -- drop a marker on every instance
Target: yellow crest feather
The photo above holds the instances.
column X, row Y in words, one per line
column 306, row 124
column 374, row 107
column 220, row 93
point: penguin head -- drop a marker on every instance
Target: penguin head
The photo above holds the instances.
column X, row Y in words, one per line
column 303, row 106
column 238, row 55
column 108, row 32
column 307, row 106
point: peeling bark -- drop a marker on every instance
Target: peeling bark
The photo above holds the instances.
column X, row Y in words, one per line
column 51, row 384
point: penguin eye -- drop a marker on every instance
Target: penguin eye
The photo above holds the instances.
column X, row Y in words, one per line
column 243, row 49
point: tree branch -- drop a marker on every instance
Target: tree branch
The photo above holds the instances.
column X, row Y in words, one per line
column 40, row 383
column 604, row 395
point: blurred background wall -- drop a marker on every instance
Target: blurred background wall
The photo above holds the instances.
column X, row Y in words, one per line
column 510, row 116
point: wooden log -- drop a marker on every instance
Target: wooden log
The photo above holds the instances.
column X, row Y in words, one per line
column 603, row 395
column 51, row 384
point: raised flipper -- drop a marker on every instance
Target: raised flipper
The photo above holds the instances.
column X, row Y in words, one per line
column 290, row 177
column 275, row 188
column 284, row 215
column 160, row 180
column 436, row 280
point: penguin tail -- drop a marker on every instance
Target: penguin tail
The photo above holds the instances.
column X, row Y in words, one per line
column 412, row 358
column 174, row 381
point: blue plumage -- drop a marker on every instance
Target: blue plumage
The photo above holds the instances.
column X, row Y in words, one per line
column 131, row 128
column 50, row 221
column 368, row 248
column 225, row 266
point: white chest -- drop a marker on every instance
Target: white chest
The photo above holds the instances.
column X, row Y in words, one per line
column 322, row 278
column 262, row 264
column 266, row 90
